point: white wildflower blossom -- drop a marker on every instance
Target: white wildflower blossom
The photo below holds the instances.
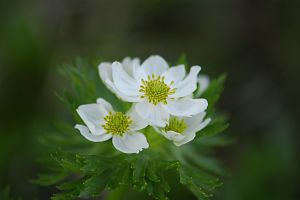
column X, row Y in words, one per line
column 182, row 130
column 158, row 90
column 103, row 123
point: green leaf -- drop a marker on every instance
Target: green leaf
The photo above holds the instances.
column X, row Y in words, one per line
column 94, row 185
column 213, row 129
column 213, row 93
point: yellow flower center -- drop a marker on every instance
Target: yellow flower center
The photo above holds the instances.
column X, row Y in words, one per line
column 156, row 90
column 117, row 123
column 176, row 125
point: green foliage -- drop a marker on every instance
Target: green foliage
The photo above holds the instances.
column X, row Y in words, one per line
column 82, row 169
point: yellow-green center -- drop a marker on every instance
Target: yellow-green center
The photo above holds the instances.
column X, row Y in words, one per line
column 116, row 123
column 155, row 89
column 176, row 125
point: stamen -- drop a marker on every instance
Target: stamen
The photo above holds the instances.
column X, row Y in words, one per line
column 155, row 89
column 176, row 125
column 117, row 123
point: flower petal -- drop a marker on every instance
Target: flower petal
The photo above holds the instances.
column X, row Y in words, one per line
column 120, row 94
column 172, row 135
column 203, row 82
column 138, row 122
column 130, row 143
column 89, row 136
column 203, row 124
column 93, row 116
column 139, row 74
column 185, row 107
column 123, row 82
column 129, row 65
column 175, row 74
column 188, row 85
column 105, row 72
column 193, row 123
column 154, row 114
column 155, row 65
column 189, row 136
column 105, row 104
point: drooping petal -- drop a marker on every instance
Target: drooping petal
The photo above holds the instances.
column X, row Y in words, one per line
column 203, row 82
column 130, row 142
column 203, row 124
column 172, row 135
column 105, row 104
column 129, row 64
column 175, row 74
column 154, row 114
column 185, row 107
column 138, row 122
column 155, row 65
column 123, row 82
column 195, row 123
column 93, row 116
column 189, row 136
column 188, row 85
column 91, row 137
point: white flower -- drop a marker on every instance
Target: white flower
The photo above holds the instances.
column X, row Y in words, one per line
column 157, row 89
column 203, row 82
column 182, row 130
column 103, row 123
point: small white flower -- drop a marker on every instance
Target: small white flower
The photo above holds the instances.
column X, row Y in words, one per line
column 158, row 90
column 103, row 123
column 182, row 130
column 203, row 82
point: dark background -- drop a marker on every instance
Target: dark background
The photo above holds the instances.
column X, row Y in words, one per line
column 257, row 43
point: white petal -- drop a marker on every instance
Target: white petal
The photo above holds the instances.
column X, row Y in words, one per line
column 138, row 122
column 203, row 124
column 123, row 82
column 129, row 65
column 196, row 123
column 193, row 123
column 175, row 74
column 155, row 65
column 185, row 107
column 105, row 104
column 188, row 85
column 154, row 114
column 105, row 71
column 93, row 116
column 189, row 136
column 89, row 136
column 172, row 135
column 120, row 94
column 203, row 82
column 131, row 142
column 139, row 74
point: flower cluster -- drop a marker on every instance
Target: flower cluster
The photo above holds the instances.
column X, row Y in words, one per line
column 161, row 97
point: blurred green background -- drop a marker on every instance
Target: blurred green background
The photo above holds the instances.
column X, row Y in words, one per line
column 257, row 43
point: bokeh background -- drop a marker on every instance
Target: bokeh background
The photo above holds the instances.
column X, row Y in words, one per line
column 257, row 43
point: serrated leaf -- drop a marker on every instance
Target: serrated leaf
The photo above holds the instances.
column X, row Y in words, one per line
column 94, row 185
